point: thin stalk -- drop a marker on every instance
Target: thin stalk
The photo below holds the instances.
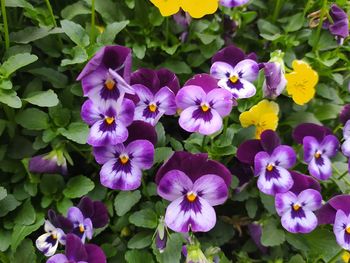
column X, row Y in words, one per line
column 277, row 10
column 334, row 259
column 92, row 30
column 49, row 7
column 6, row 29
column 319, row 27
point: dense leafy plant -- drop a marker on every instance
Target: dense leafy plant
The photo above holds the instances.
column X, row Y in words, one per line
column 49, row 171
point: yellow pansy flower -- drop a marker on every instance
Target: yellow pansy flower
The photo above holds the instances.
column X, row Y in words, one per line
column 196, row 8
column 346, row 257
column 264, row 116
column 301, row 82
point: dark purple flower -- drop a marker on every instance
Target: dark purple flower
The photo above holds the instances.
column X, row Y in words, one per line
column 345, row 114
column 232, row 55
column 106, row 76
column 48, row 242
column 191, row 206
column 340, row 26
column 317, row 155
column 77, row 252
column 205, row 81
column 275, row 81
column 82, row 226
column 310, row 129
column 95, row 210
column 341, row 229
column 233, row 3
column 108, row 121
column 246, row 151
column 194, row 166
column 326, row 214
column 272, row 169
column 140, row 130
column 51, row 163
column 203, row 112
column 296, row 211
column 255, row 232
column 303, row 182
column 242, row 171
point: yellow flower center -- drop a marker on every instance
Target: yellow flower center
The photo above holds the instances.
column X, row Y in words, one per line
column 109, row 120
column 269, row 167
column 205, row 107
column 124, row 158
column 296, row 207
column 54, row 236
column 110, row 83
column 234, row 79
column 347, row 230
column 81, row 228
column 191, row 197
column 317, row 155
column 152, row 107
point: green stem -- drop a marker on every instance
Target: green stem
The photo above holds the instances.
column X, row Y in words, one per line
column 92, row 30
column 307, row 6
column 334, row 259
column 203, row 143
column 277, row 10
column 6, row 29
column 318, row 32
column 49, row 7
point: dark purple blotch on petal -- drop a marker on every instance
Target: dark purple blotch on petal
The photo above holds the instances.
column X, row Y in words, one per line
column 269, row 140
column 46, row 164
column 232, row 55
column 140, row 130
column 242, row 171
column 205, row 81
column 95, row 210
column 60, row 221
column 247, row 150
column 303, row 182
column 310, row 129
column 326, row 214
column 344, row 115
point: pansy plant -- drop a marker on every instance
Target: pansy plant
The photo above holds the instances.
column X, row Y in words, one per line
column 48, row 242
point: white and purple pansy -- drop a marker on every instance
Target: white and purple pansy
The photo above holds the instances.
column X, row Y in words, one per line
column 238, row 80
column 345, row 148
column 191, row 206
column 48, row 242
column 296, row 211
column 275, row 81
column 108, row 121
column 341, row 229
column 82, row 227
column 233, row 3
column 272, row 169
column 203, row 112
column 151, row 107
column 123, row 165
column 317, row 155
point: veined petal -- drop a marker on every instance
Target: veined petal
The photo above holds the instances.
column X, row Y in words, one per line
column 166, row 7
column 233, row 3
column 203, row 220
column 212, row 188
column 93, row 83
column 242, row 89
column 311, row 199
column 284, row 202
column 123, row 86
column 311, row 146
column 247, row 69
column 75, row 215
column 321, row 167
column 59, row 258
column 142, row 153
column 301, row 222
column 46, row 244
column 166, row 99
column 284, row 156
column 102, row 134
column 278, row 180
column 106, row 153
column 345, row 148
column 120, row 177
column 144, row 94
column 176, row 218
column 174, row 184
column 341, row 222
column 346, row 129
column 330, row 145
column 221, row 101
column 126, row 112
column 189, row 96
column 261, row 160
column 90, row 112
column 221, row 70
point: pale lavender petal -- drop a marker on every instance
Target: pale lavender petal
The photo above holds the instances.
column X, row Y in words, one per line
column 247, row 69
column 174, row 184
column 176, row 218
column 101, row 134
column 189, row 96
column 330, row 145
column 89, row 229
column 233, row 3
column 261, row 160
column 341, row 223
column 142, row 153
column 221, row 70
column 126, row 113
column 284, row 156
column 346, row 129
column 311, row 146
column 203, row 220
column 144, row 94
column 345, row 148
column 142, row 113
column 90, row 112
column 221, row 101
column 275, row 81
column 302, row 221
column 278, row 180
column 166, row 99
column 93, row 83
column 104, row 154
column 75, row 215
column 284, row 202
column 321, row 167
column 310, row 199
column 120, row 177
column 59, row 258
column 242, row 89
column 122, row 84
column 212, row 188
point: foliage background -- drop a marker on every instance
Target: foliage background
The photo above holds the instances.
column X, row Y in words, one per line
column 50, row 42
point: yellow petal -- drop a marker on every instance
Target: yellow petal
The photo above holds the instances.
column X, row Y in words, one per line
column 346, row 257
column 267, row 121
column 199, row 8
column 246, row 119
column 167, row 7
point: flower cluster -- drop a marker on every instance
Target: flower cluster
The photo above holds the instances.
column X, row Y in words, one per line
column 72, row 232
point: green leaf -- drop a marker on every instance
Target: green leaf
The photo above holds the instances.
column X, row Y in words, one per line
column 138, row 256
column 296, row 259
column 76, row 33
column 5, row 84
column 3, row 193
column 327, row 111
column 252, row 207
column 25, row 252
column 63, row 205
column 5, row 240
column 206, row 38
column 8, row 204
column 79, row 56
column 124, row 201
column 57, row 79
column 76, row 131
column 162, row 153
column 139, row 50
column 295, row 22
column 268, row 202
column 178, row 67
column 30, row 34
column 10, row 98
column 51, row 184
column 33, row 119
column 295, row 118
column 16, row 62
column 71, row 11
column 140, row 240
column 172, row 251
column 78, row 186
column 111, row 31
column 271, row 235
column 146, row 218
column 26, row 215
column 46, row 98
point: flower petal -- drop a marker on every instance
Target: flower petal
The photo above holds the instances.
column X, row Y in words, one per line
column 189, row 96
column 106, row 153
column 269, row 140
column 46, row 244
column 330, row 145
column 101, row 134
column 167, row 7
column 75, row 248
column 311, row 146
column 240, row 90
column 233, row 3
column 310, row 129
column 302, row 223
column 345, row 148
column 311, row 199
column 198, row 8
column 302, row 182
column 142, row 152
column 284, row 155
column 95, row 254
column 166, row 99
column 90, row 113
column 221, row 101
column 205, row 81
column 341, row 220
column 212, row 188
column 75, row 215
column 59, row 258
column 284, row 202
column 261, row 160
column 247, row 150
column 174, row 184
column 144, row 94
column 321, row 168
column 126, row 112
column 278, row 181
column 221, row 70
column 247, row 69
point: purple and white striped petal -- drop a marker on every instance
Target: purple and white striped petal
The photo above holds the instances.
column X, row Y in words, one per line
column 90, row 112
column 233, row 3
column 103, row 133
column 330, row 145
column 126, row 112
column 221, row 70
column 341, row 229
column 106, row 153
column 301, row 221
column 221, row 101
column 310, row 145
column 275, row 81
column 212, row 188
column 247, row 69
column 174, row 184
column 240, row 89
column 284, row 156
column 310, row 199
column 278, row 180
column 345, row 148
column 166, row 99
column 284, row 202
column 190, row 95
column 141, row 153
column 320, row 167
column 346, row 129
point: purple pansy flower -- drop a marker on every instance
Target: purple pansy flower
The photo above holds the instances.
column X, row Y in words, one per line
column 272, row 169
column 341, row 229
column 297, row 210
column 303, row 182
column 183, row 19
column 96, row 211
column 232, row 55
column 310, row 129
column 108, row 121
column 140, row 130
column 233, row 3
column 203, row 112
column 77, row 252
column 51, row 163
column 275, row 81
column 161, row 235
column 237, row 80
column 82, row 227
column 255, row 232
column 318, row 153
column 346, row 144
column 344, row 115
column 191, row 206
column 326, row 214
column 48, row 242
column 340, row 26
column 107, row 74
